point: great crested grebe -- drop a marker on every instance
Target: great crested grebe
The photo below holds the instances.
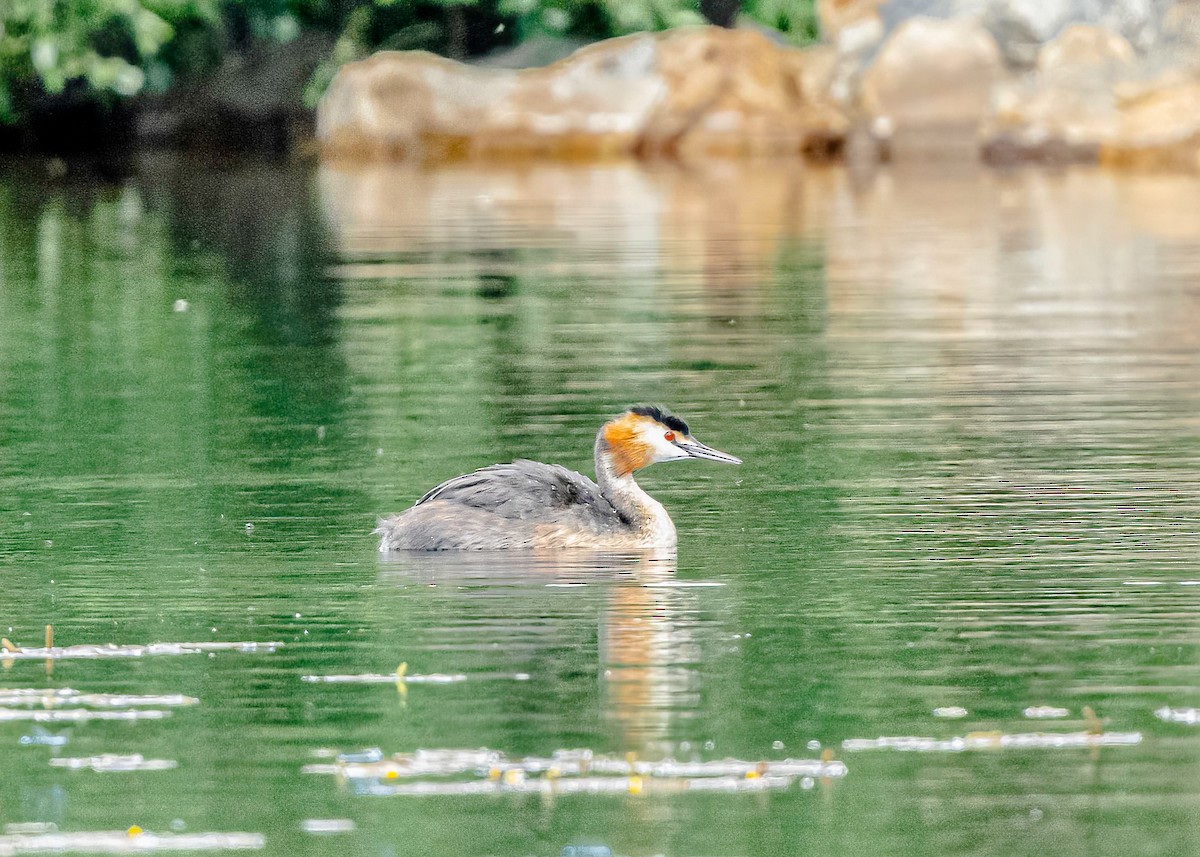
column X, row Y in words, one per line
column 528, row 504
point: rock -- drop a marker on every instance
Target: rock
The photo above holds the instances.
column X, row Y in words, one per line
column 1139, row 21
column 1021, row 27
column 932, row 78
column 1181, row 23
column 836, row 16
column 417, row 104
column 1025, row 79
column 1084, row 50
column 1160, row 128
column 736, row 94
column 687, row 91
column 1093, row 98
column 1063, row 110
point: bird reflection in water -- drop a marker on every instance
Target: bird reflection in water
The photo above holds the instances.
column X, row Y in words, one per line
column 558, row 615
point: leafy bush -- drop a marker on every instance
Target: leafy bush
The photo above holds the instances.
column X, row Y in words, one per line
column 109, row 47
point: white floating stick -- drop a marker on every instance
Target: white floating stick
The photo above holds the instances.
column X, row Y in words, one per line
column 110, row 650
column 372, row 765
column 995, row 741
column 131, row 841
column 81, row 715
column 1190, row 716
column 65, row 696
column 112, row 762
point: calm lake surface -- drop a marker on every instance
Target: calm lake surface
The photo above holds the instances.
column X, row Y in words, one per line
column 969, row 407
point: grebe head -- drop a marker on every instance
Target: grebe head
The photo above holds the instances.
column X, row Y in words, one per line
column 644, row 435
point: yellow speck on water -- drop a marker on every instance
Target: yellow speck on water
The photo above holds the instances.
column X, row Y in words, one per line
column 635, row 785
column 134, row 830
column 390, row 775
column 402, row 670
column 493, row 773
column 752, row 775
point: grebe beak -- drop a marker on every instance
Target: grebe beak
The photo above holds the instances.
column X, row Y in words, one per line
column 695, row 449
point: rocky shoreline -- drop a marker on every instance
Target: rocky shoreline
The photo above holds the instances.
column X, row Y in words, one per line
column 1004, row 80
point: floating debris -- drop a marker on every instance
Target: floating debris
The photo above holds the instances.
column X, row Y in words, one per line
column 385, row 678
column 111, row 650
column 42, row 738
column 81, row 715
column 30, row 827
column 996, row 741
column 112, row 762
column 581, row 785
column 65, row 696
column 401, row 678
column 566, row 771
column 328, row 825
column 1190, row 716
column 950, row 712
column 371, row 762
column 1046, row 712
column 586, row 851
column 371, row 754
column 682, row 584
column 131, row 841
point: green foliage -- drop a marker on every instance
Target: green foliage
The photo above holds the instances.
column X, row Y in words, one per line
column 107, row 45
column 598, row 18
column 794, row 18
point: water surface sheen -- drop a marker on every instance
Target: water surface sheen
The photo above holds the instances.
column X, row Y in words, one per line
column 967, row 403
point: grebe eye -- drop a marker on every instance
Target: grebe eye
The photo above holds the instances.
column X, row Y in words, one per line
column 669, row 436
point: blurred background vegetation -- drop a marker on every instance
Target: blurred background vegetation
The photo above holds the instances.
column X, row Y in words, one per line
column 67, row 61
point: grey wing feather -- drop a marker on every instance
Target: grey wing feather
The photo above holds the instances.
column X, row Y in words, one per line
column 525, row 489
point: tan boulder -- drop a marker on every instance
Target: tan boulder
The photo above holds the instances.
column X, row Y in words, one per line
column 735, row 92
column 1094, row 99
column 1181, row 22
column 417, row 104
column 1067, row 107
column 1158, row 128
column 932, row 82
column 837, row 15
column 1084, row 49
column 687, row 91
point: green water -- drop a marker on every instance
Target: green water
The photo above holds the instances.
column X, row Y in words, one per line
column 968, row 406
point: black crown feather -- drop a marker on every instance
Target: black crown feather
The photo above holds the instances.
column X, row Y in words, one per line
column 671, row 421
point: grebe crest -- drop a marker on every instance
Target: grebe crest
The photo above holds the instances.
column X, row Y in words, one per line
column 528, row 504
